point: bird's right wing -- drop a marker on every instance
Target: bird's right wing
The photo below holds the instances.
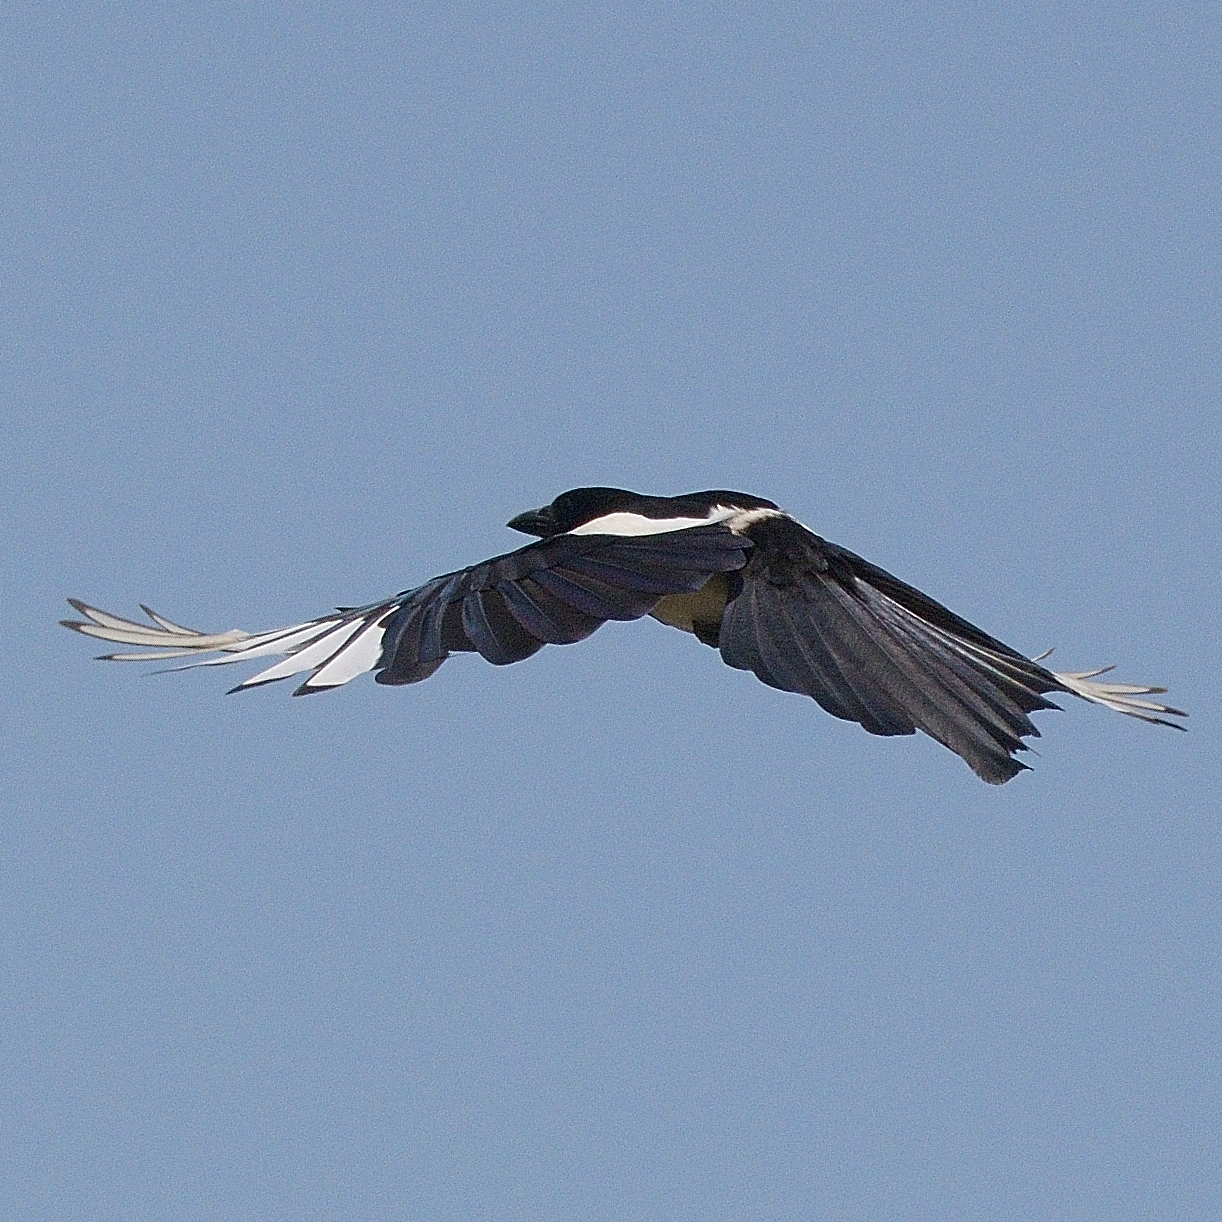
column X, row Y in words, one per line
column 555, row 591
column 350, row 638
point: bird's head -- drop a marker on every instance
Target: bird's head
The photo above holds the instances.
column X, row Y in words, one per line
column 572, row 509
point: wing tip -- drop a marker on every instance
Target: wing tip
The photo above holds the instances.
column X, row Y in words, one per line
column 1121, row 697
column 306, row 689
column 250, row 684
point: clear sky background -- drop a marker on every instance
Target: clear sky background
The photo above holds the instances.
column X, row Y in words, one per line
column 299, row 304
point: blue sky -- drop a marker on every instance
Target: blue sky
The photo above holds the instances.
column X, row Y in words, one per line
column 299, row 304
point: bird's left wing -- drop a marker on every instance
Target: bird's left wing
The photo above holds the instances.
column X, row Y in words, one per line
column 811, row 617
column 556, row 591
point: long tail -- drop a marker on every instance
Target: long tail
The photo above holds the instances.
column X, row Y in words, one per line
column 335, row 648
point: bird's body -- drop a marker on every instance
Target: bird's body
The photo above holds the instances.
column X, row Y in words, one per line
column 743, row 576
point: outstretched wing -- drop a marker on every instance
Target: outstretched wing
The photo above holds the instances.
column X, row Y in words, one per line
column 814, row 618
column 556, row 591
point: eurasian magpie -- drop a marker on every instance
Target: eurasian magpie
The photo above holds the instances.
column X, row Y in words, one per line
column 736, row 571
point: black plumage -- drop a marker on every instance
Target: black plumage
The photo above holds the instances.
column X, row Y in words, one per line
column 557, row 591
column 811, row 617
column 802, row 614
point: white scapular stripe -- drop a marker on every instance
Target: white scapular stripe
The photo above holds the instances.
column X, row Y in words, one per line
column 742, row 518
column 637, row 524
column 633, row 524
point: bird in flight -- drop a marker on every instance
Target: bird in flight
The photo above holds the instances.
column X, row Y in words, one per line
column 736, row 571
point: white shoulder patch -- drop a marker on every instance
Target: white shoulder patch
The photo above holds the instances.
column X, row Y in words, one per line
column 638, row 524
column 739, row 519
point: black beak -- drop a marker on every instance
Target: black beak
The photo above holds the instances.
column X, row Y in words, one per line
column 538, row 522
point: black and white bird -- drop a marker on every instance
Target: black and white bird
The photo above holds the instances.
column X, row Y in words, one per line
column 743, row 576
